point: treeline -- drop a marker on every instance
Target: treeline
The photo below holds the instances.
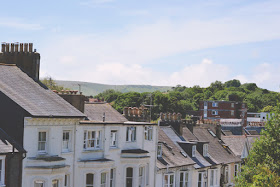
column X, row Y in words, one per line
column 182, row 99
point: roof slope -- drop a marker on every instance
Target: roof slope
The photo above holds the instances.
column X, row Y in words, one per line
column 33, row 98
column 7, row 144
column 216, row 151
column 95, row 112
column 171, row 153
column 235, row 143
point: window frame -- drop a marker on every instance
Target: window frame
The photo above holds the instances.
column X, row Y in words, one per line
column 41, row 141
column 131, row 134
column 232, row 112
column 215, row 112
column 184, row 182
column 169, row 180
column 68, row 149
column 97, row 139
column 93, row 180
column 226, row 174
column 129, row 177
column 39, row 182
column 105, row 182
column 159, row 150
column 215, row 104
column 205, row 150
column 232, row 105
column 236, row 172
column 148, row 133
column 213, row 178
column 57, row 183
column 67, row 180
column 2, row 169
column 141, row 178
column 114, row 142
column 193, row 150
column 112, row 179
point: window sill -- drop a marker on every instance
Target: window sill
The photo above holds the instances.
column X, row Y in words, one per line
column 67, row 152
column 92, row 150
column 130, row 142
column 114, row 148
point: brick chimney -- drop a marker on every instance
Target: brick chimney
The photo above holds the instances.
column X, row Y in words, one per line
column 76, row 100
column 23, row 56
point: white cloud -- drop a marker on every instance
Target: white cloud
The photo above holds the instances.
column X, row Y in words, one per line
column 19, row 24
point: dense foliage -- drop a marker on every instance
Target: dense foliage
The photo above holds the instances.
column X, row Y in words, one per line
column 262, row 167
column 51, row 84
column 182, row 99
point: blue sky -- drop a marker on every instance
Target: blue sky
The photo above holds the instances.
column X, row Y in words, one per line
column 154, row 42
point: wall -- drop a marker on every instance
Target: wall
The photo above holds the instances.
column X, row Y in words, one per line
column 13, row 169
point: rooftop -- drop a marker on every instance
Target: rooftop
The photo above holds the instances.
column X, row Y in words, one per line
column 31, row 96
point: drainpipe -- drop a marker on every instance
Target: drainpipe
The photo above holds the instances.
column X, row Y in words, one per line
column 74, row 157
column 156, row 140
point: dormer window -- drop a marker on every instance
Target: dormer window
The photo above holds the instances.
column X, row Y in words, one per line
column 214, row 104
column 205, row 150
column 159, row 150
column 193, row 150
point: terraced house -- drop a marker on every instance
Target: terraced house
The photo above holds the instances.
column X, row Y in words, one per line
column 191, row 155
column 66, row 147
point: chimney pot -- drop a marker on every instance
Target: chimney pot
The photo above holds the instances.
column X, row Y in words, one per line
column 25, row 47
column 12, row 47
column 7, row 47
column 21, row 47
column 3, row 47
column 16, row 47
column 30, row 47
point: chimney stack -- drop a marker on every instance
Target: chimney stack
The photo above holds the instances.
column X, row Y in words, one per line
column 219, row 131
column 7, row 47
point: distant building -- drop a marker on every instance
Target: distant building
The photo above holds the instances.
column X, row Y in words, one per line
column 216, row 110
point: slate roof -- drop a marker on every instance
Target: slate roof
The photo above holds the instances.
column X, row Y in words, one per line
column 235, row 143
column 171, row 153
column 250, row 139
column 217, row 153
column 33, row 98
column 7, row 144
column 95, row 112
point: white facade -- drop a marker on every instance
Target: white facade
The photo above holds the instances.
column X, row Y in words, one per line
column 59, row 154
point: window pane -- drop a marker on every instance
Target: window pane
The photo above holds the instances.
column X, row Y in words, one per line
column 89, row 179
column 129, row 172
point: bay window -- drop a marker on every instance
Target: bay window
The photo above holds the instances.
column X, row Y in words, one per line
column 92, row 139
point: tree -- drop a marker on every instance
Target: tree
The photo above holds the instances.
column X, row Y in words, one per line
column 232, row 83
column 262, row 167
column 52, row 85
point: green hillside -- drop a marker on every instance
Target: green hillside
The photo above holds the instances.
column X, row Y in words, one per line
column 93, row 89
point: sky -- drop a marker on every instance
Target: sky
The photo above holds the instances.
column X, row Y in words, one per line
column 150, row 42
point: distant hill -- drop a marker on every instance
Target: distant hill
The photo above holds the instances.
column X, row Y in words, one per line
column 93, row 89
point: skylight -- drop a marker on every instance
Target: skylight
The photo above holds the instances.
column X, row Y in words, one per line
column 212, row 133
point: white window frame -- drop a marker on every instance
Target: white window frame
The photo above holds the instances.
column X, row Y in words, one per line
column 159, row 150
column 193, row 150
column 126, row 177
column 214, row 104
column 236, row 170
column 39, row 182
column 226, row 174
column 131, row 134
column 114, row 138
column 169, row 180
column 2, row 170
column 67, row 180
column 148, row 133
column 232, row 112
column 213, row 178
column 232, row 105
column 104, row 183
column 183, row 181
column 141, row 176
column 66, row 144
column 89, row 139
column 42, row 141
column 205, row 150
column 93, row 180
column 203, row 180
column 112, row 177
column 55, row 182
column 147, row 169
column 214, row 112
